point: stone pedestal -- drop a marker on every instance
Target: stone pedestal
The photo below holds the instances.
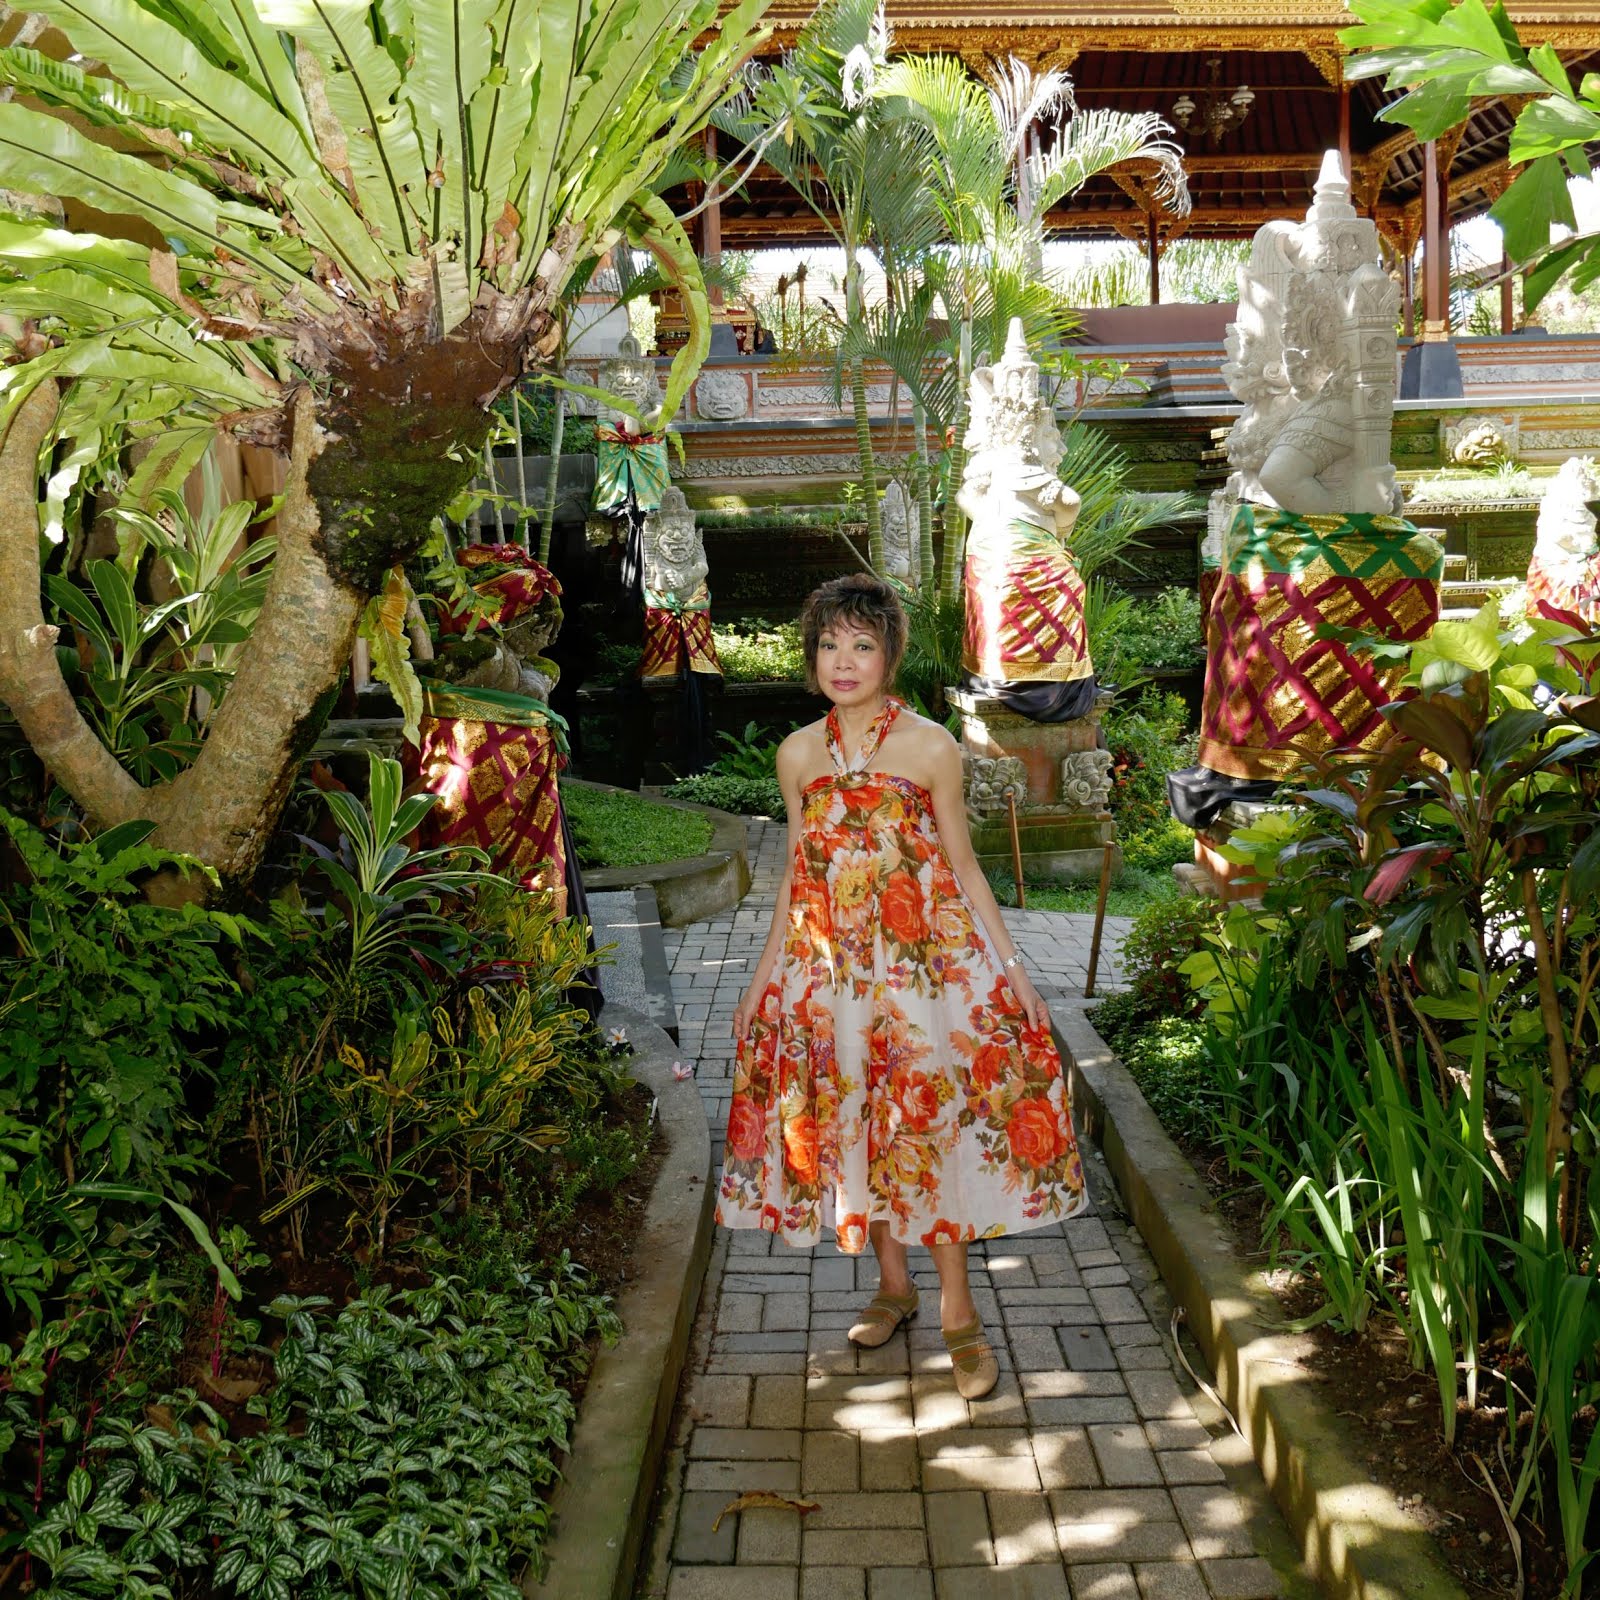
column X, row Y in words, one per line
column 1063, row 782
column 1212, row 874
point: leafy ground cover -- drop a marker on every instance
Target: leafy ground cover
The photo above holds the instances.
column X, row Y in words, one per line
column 303, row 1256
column 616, row 829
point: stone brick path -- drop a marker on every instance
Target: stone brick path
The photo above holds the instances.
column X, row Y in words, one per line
column 1092, row 1472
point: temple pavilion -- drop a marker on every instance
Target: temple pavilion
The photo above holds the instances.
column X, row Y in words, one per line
column 1263, row 96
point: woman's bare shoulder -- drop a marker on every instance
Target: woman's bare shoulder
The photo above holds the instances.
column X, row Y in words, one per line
column 802, row 747
column 928, row 736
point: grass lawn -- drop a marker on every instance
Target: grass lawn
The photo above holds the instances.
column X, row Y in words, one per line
column 1132, row 891
column 624, row 830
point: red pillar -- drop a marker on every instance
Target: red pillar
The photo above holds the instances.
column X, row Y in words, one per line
column 1153, row 243
column 1435, row 249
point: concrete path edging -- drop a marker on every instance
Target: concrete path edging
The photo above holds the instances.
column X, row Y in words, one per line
column 692, row 887
column 601, row 1507
column 1355, row 1541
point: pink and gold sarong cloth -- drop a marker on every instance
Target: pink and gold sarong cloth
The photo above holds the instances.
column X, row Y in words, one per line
column 513, row 583
column 1570, row 594
column 675, row 640
column 1276, row 693
column 492, row 759
column 1025, row 608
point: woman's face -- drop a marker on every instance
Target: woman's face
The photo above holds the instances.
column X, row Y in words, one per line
column 850, row 665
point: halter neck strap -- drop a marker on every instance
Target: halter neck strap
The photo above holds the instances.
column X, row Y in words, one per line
column 876, row 732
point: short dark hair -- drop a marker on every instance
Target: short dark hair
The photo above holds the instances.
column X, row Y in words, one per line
column 865, row 603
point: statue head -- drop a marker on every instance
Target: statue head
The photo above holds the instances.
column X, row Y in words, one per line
column 632, row 377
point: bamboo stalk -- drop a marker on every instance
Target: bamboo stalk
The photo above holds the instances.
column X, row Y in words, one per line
column 1016, row 846
column 1099, row 918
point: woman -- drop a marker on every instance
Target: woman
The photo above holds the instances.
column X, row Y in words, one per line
column 896, row 1077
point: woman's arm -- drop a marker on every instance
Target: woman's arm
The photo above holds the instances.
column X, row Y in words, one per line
column 950, row 814
column 790, row 762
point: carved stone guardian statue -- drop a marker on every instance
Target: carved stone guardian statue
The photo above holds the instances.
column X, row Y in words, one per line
column 901, row 553
column 1305, row 534
column 1564, row 576
column 677, row 598
column 1026, row 642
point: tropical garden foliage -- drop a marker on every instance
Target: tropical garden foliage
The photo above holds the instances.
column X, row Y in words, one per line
column 1401, row 1047
column 294, row 1113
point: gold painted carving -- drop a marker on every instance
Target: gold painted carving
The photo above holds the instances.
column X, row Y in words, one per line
column 1330, row 63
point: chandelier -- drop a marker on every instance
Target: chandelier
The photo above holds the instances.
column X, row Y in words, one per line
column 1216, row 112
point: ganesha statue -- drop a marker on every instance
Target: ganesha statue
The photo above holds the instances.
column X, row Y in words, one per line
column 1309, row 552
column 1564, row 576
column 490, row 747
column 1026, row 640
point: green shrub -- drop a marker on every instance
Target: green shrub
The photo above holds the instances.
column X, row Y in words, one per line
column 750, row 797
column 753, row 650
column 1158, row 847
column 1161, row 939
column 1148, row 738
column 1166, row 1057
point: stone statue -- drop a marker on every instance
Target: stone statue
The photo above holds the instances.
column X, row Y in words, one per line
column 986, row 782
column 1304, row 537
column 1564, row 577
column 1086, row 779
column 677, row 599
column 1482, row 441
column 490, row 747
column 901, row 551
column 630, row 458
column 1026, row 641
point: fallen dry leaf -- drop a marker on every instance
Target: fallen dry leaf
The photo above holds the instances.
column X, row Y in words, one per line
column 764, row 1500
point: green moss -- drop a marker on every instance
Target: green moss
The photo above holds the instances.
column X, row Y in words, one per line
column 614, row 829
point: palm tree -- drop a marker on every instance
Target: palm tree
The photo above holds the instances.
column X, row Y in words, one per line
column 345, row 228
column 1002, row 156
column 855, row 158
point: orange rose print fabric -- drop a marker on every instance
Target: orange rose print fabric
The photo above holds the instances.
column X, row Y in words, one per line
column 890, row 1073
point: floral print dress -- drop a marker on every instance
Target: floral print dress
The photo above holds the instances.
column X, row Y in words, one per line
column 890, row 1072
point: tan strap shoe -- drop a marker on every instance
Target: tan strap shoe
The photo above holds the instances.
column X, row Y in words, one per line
column 973, row 1360
column 883, row 1315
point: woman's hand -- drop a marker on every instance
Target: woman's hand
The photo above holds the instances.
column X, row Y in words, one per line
column 1033, row 1006
column 745, row 1012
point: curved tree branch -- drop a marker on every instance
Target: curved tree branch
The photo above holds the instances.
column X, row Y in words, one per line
column 222, row 807
column 30, row 676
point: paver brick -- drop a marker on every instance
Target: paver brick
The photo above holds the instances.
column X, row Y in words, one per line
column 733, row 1583
column 769, row 1536
column 1086, row 1350
column 745, row 1342
column 693, row 1542
column 739, row 1313
column 889, row 1460
column 1169, row 1580
column 1063, row 1385
column 855, row 1547
column 1095, row 1525
column 1024, row 1529
column 1002, row 1407
column 757, row 1364
column 1157, row 1394
column 1103, row 1581
column 732, row 1478
column 1124, row 1454
column 830, row 1462
column 833, row 1583
column 1065, row 1459
column 1176, row 1433
column 1235, row 1578
column 745, row 1444
column 720, row 1400
column 1080, row 1410
column 1214, row 1521
column 766, row 1277
column 892, row 1508
column 1042, row 1582
column 1146, row 1357
column 780, row 1312
column 990, row 1458
column 779, row 1401
column 1188, row 1466
column 958, row 1529
column 899, row 1583
column 1118, row 1305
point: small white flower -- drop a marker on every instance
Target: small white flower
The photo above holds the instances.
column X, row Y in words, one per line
column 617, row 1036
column 856, row 79
column 682, row 1070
